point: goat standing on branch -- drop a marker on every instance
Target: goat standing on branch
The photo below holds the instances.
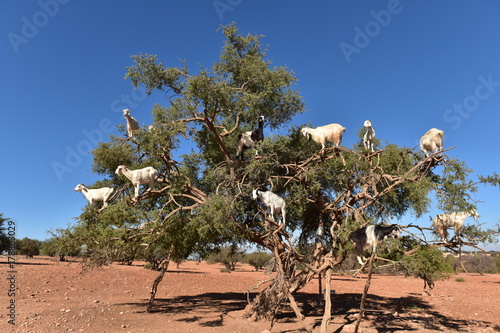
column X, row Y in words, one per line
column 249, row 139
column 331, row 133
column 99, row 194
column 275, row 204
column 137, row 177
column 132, row 123
column 432, row 141
column 443, row 222
column 371, row 236
column 369, row 137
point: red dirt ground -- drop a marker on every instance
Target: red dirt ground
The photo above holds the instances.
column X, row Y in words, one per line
column 54, row 296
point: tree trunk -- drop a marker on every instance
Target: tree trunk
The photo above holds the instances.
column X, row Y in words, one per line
column 287, row 281
column 154, row 287
column 361, row 313
column 328, row 301
column 265, row 305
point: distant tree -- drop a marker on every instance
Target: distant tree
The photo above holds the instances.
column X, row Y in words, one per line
column 4, row 240
column 154, row 255
column 228, row 256
column 48, row 247
column 477, row 263
column 496, row 256
column 257, row 259
column 59, row 246
column 28, row 247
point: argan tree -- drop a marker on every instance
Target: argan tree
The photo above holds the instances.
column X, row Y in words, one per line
column 28, row 247
column 4, row 239
column 202, row 197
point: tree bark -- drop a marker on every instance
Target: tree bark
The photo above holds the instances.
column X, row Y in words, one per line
column 365, row 292
column 328, row 301
column 159, row 278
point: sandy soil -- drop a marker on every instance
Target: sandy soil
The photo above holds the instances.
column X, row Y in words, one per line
column 54, row 296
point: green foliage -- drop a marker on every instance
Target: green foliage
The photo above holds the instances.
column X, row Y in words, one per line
column 455, row 187
column 28, row 247
column 49, row 247
column 427, row 263
column 491, row 180
column 257, row 259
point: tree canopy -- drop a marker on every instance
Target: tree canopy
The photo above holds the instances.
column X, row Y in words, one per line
column 202, row 198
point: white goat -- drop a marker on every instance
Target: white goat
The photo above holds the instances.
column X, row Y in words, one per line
column 132, row 123
column 432, row 141
column 369, row 137
column 274, row 203
column 332, row 133
column 443, row 222
column 372, row 235
column 99, row 194
column 137, row 177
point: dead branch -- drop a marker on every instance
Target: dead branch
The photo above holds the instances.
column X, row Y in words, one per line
column 365, row 293
column 257, row 286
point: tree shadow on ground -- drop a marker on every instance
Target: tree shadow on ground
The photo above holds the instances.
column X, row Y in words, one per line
column 24, row 263
column 384, row 314
column 199, row 307
column 387, row 314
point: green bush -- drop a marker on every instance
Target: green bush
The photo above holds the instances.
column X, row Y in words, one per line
column 257, row 259
column 28, row 247
column 228, row 256
column 429, row 264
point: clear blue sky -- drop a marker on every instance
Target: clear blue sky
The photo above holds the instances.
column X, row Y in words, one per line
column 406, row 65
